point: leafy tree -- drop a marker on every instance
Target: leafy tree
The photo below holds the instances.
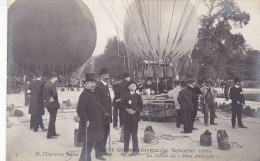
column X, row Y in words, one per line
column 112, row 59
column 221, row 52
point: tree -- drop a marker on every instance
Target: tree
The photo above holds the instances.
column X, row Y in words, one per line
column 112, row 59
column 220, row 51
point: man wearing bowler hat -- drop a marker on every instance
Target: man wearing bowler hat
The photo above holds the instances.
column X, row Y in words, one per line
column 103, row 97
column 90, row 116
column 52, row 104
column 238, row 102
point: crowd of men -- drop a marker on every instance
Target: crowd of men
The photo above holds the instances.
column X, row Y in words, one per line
column 42, row 94
column 94, row 108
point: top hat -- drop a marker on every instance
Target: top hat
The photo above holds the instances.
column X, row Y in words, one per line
column 89, row 77
column 236, row 80
column 103, row 71
column 126, row 75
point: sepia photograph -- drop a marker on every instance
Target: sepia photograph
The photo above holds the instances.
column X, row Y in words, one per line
column 130, row 80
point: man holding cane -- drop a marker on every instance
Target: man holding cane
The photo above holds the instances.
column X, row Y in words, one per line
column 90, row 125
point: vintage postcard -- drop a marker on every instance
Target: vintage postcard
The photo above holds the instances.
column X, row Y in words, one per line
column 132, row 80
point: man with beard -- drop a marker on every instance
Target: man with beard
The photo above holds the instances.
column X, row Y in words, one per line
column 52, row 104
column 90, row 116
column 36, row 106
column 103, row 97
column 192, row 86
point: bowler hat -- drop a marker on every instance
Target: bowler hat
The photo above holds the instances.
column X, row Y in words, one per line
column 192, row 80
column 103, row 71
column 38, row 74
column 89, row 77
column 132, row 82
column 53, row 74
column 236, row 80
column 126, row 75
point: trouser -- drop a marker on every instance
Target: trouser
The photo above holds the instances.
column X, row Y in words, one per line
column 101, row 145
column 38, row 122
column 117, row 110
column 51, row 127
column 131, row 127
column 26, row 100
column 194, row 112
column 178, row 118
column 186, row 120
column 207, row 108
column 226, row 94
column 236, row 112
column 83, row 152
column 32, row 121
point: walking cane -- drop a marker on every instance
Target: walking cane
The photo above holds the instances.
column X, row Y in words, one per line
column 86, row 148
column 109, row 146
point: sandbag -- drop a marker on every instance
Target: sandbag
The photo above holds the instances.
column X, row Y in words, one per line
column 169, row 72
column 205, row 138
column 148, row 134
column 159, row 71
column 18, row 113
column 76, row 118
column 223, row 141
column 148, row 73
column 76, row 143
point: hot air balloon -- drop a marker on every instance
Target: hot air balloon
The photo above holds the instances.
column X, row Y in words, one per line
column 50, row 35
column 161, row 32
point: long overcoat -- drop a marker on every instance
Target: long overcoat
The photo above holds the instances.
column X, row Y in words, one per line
column 36, row 106
column 89, row 110
column 103, row 97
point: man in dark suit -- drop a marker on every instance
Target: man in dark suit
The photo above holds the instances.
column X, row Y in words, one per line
column 132, row 106
column 103, row 97
column 52, row 104
column 238, row 102
column 185, row 99
column 123, row 89
column 194, row 88
column 90, row 116
column 36, row 106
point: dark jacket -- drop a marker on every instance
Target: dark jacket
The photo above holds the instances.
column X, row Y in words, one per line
column 185, row 98
column 196, row 92
column 103, row 97
column 36, row 106
column 116, row 89
column 123, row 88
column 236, row 94
column 89, row 110
column 51, row 91
column 136, row 105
